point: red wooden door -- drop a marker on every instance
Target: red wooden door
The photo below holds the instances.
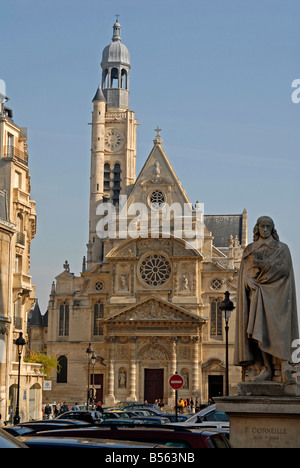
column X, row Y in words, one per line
column 154, row 384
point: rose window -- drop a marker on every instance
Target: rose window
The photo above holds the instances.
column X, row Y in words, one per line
column 157, row 200
column 155, row 270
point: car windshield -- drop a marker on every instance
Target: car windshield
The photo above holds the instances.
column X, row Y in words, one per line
column 208, row 416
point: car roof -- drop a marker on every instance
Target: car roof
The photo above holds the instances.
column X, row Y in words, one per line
column 82, row 442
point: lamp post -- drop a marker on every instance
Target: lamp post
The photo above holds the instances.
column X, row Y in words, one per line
column 20, row 342
column 89, row 353
column 227, row 307
column 93, row 361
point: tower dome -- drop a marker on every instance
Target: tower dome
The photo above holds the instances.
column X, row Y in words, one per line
column 115, row 71
column 116, row 51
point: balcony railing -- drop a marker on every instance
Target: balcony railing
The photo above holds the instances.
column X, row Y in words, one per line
column 10, row 152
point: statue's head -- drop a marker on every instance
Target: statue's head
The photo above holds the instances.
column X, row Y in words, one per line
column 264, row 229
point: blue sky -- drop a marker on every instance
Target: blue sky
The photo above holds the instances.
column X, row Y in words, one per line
column 215, row 75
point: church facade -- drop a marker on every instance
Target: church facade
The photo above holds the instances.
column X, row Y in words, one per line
column 147, row 299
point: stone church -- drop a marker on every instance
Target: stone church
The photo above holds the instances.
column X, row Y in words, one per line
column 147, row 299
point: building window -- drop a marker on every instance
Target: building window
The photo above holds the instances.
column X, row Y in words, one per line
column 20, row 229
column 157, row 200
column 99, row 286
column 18, row 264
column 216, row 284
column 10, row 144
column 64, row 319
column 18, row 322
column 18, row 180
column 155, row 270
column 62, row 370
column 107, row 171
column 216, row 323
column 98, row 316
column 116, row 184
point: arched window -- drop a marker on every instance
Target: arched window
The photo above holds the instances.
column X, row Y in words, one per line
column 116, row 183
column 106, row 177
column 62, row 370
column 216, row 323
column 114, row 78
column 124, row 83
column 105, row 79
column 64, row 319
column 98, row 316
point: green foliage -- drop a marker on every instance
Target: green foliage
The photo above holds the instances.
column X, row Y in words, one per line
column 48, row 362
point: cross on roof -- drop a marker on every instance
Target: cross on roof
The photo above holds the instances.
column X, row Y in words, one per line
column 117, row 16
column 157, row 130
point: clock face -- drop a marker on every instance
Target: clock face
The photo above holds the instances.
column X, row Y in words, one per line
column 114, row 140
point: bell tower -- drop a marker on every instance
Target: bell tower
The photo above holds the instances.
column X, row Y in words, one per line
column 115, row 71
column 113, row 148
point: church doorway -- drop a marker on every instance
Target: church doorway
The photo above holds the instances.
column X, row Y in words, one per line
column 98, row 385
column 154, row 385
column 215, row 386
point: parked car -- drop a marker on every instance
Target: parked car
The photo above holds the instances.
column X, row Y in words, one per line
column 152, row 419
column 207, row 418
column 8, row 441
column 170, row 437
column 68, row 442
column 88, row 416
column 114, row 415
column 153, row 412
column 124, row 422
column 44, row 425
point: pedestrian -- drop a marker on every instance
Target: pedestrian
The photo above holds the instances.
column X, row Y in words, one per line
column 191, row 405
column 63, row 407
column 155, row 406
column 160, row 404
column 181, row 405
column 56, row 411
column 47, row 411
column 197, row 405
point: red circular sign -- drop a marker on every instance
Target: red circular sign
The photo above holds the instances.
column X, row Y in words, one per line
column 176, row 382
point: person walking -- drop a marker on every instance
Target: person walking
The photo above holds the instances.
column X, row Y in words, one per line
column 47, row 411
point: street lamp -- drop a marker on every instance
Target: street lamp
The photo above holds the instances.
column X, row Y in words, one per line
column 227, row 307
column 89, row 353
column 93, row 361
column 20, row 342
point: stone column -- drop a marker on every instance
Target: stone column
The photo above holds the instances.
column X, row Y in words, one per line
column 132, row 376
column 195, row 377
column 111, row 372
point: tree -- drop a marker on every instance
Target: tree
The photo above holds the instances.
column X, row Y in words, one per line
column 48, row 362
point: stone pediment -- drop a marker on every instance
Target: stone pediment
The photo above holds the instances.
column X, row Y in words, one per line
column 154, row 310
column 172, row 247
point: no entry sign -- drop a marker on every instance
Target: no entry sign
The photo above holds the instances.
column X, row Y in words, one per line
column 176, row 382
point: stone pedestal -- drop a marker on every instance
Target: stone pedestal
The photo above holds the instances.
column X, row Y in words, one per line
column 263, row 416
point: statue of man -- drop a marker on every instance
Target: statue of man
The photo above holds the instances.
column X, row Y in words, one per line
column 267, row 320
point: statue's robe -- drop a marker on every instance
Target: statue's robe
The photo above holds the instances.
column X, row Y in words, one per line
column 266, row 317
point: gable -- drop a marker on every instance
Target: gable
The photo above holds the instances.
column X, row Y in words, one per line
column 158, row 174
column 154, row 310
